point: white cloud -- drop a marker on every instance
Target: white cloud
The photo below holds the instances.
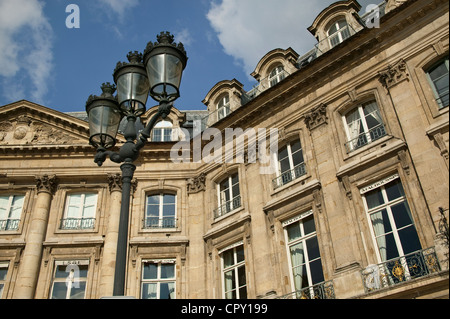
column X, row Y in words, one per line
column 183, row 36
column 120, row 7
column 25, row 49
column 249, row 29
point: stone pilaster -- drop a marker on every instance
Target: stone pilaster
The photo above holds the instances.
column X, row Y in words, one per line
column 106, row 286
column 32, row 255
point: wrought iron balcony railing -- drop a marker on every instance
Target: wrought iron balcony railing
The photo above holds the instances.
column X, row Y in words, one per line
column 9, row 224
column 289, row 176
column 365, row 138
column 323, row 290
column 77, row 223
column 392, row 272
column 228, row 207
column 160, row 223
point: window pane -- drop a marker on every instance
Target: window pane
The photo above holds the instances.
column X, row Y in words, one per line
column 388, row 247
column 402, row 215
column 153, row 200
column 312, row 246
column 316, row 271
column 59, row 290
column 296, row 146
column 169, row 199
column 394, row 190
column 374, row 198
column 285, row 165
column 409, row 239
column 241, row 276
column 235, row 179
column 240, row 254
column 228, row 259
column 150, row 271
column 149, row 291
column 167, row 271
column 169, row 210
column 78, row 289
column 282, row 153
column 166, row 290
column 300, row 277
column 243, row 293
column 75, row 200
column 153, row 210
column 235, row 191
column 230, row 282
column 308, row 224
column 60, row 272
column 297, row 158
column 3, row 272
column 381, row 223
column 293, row 231
column 297, row 256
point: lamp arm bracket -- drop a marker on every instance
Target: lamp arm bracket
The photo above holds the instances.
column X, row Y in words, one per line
column 163, row 110
column 102, row 154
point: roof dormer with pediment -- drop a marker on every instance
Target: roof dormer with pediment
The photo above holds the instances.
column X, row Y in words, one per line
column 336, row 23
column 286, row 59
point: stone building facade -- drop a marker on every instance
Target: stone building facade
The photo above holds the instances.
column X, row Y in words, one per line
column 356, row 205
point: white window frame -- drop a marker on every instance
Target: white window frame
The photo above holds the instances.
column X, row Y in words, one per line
column 302, row 239
column 296, row 171
column 72, row 279
column 234, row 201
column 338, row 33
column 158, row 280
column 81, row 210
column 388, row 206
column 166, row 132
column 236, row 265
column 223, row 107
column 277, row 75
column 160, row 210
column 8, row 213
column 362, row 117
column 3, row 265
column 432, row 82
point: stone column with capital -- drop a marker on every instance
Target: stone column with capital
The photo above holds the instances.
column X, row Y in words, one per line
column 31, row 260
column 110, row 247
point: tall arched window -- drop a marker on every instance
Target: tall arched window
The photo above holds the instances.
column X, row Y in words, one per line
column 338, row 32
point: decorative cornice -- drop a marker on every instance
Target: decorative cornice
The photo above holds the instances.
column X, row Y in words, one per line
column 394, row 74
column 46, row 184
column 316, row 117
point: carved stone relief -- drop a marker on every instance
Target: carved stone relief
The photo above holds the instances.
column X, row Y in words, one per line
column 25, row 131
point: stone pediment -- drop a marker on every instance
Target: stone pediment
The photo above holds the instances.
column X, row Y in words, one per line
column 27, row 124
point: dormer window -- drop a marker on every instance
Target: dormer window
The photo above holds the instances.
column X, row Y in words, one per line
column 162, row 132
column 223, row 107
column 338, row 32
column 277, row 75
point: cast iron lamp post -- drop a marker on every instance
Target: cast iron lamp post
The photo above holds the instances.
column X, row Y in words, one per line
column 158, row 73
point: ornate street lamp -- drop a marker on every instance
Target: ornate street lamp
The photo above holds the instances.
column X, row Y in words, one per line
column 159, row 75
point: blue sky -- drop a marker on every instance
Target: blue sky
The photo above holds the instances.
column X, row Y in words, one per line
column 43, row 61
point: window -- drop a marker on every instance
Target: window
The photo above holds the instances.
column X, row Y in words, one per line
column 363, row 125
column 233, row 273
column 438, row 76
column 161, row 211
column 223, row 107
column 158, row 279
column 390, row 217
column 291, row 164
column 3, row 273
column 10, row 211
column 277, row 75
column 69, row 280
column 304, row 254
column 162, row 132
column 229, row 195
column 80, row 211
column 338, row 32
